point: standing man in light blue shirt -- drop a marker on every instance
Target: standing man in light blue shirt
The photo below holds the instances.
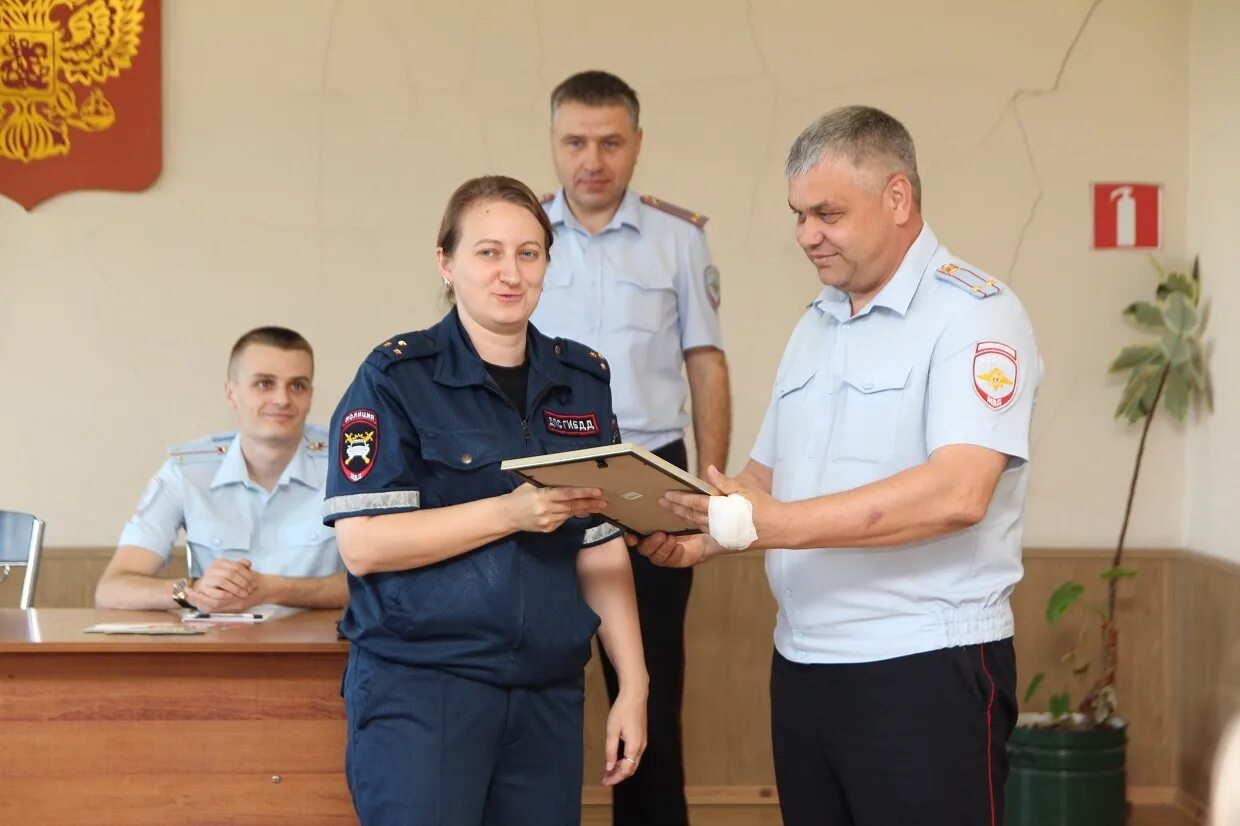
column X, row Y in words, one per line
column 250, row 502
column 888, row 480
column 632, row 277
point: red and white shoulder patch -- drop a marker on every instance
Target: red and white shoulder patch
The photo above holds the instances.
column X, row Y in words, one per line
column 996, row 373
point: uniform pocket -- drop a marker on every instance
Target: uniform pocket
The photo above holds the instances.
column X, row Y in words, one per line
column 966, row 664
column 647, row 302
column 310, row 549
column 558, row 278
column 306, row 534
column 872, row 400
column 409, row 599
column 461, row 451
column 210, row 539
column 794, row 390
column 465, row 464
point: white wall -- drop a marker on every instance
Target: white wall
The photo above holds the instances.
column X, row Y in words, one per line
column 1213, row 214
column 310, row 147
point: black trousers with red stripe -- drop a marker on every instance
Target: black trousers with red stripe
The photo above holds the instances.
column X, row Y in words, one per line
column 655, row 794
column 912, row 741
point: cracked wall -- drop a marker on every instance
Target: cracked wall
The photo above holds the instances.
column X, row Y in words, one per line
column 311, row 145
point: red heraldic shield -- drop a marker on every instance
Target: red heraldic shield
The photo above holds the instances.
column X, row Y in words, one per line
column 79, row 97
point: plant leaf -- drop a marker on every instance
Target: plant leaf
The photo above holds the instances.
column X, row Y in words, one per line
column 1140, row 379
column 1062, row 600
column 1178, row 282
column 1145, row 314
column 1199, row 383
column 1150, row 394
column 1136, row 356
column 1197, row 355
column 1118, row 573
column 1158, row 267
column 1033, row 687
column 1175, row 397
column 1137, row 400
column 1179, row 314
column 1176, row 348
column 1061, row 705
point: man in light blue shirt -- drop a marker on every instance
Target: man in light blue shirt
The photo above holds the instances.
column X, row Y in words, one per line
column 250, row 502
column 888, row 480
column 632, row 277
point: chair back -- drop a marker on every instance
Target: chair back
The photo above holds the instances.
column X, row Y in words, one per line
column 21, row 544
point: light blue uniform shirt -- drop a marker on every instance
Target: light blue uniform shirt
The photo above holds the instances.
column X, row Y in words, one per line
column 943, row 355
column 641, row 291
column 205, row 488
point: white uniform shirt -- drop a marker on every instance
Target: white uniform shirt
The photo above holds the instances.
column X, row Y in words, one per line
column 943, row 355
column 640, row 291
column 205, row 488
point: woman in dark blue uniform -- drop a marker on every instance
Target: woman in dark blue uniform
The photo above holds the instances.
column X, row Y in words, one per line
column 473, row 599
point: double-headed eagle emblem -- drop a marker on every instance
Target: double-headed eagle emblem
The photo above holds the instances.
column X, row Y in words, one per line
column 49, row 48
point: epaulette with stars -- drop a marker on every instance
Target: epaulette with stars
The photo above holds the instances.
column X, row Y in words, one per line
column 575, row 354
column 207, row 449
column 408, row 346
column 979, row 286
column 696, row 218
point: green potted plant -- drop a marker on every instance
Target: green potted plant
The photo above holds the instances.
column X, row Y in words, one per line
column 1068, row 765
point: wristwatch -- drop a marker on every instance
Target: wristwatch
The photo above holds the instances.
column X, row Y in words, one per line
column 178, row 594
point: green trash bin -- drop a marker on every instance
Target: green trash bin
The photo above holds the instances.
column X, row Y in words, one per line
column 1062, row 777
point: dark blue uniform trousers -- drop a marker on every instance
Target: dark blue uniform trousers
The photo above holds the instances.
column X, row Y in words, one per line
column 427, row 748
column 912, row 741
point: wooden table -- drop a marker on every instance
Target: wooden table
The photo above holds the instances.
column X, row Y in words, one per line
column 241, row 725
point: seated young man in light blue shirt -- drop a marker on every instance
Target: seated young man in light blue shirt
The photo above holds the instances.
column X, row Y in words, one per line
column 250, row 502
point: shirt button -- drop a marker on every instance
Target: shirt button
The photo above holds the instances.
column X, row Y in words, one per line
column 466, row 458
column 798, row 635
column 867, row 385
column 787, row 592
column 216, row 541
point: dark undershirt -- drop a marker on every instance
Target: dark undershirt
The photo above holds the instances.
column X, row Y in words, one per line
column 511, row 381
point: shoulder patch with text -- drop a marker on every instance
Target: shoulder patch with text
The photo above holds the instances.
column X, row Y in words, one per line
column 359, row 444
column 995, row 373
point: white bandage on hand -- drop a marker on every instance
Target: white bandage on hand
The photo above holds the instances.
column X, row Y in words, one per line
column 731, row 521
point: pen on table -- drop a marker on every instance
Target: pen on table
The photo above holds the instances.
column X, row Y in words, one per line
column 205, row 615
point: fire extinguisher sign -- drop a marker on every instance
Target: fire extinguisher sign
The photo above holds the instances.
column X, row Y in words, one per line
column 1127, row 216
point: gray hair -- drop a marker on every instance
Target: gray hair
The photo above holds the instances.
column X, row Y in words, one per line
column 868, row 137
